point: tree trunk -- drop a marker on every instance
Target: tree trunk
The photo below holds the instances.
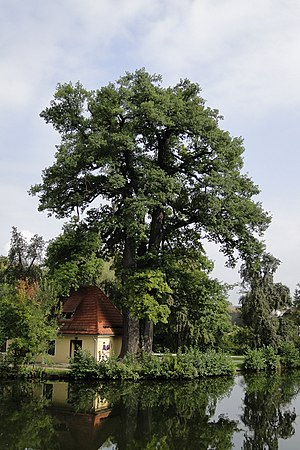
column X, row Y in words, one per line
column 155, row 240
column 131, row 332
column 156, row 229
column 146, row 335
column 131, row 335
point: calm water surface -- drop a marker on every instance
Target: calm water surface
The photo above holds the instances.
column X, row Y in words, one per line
column 253, row 412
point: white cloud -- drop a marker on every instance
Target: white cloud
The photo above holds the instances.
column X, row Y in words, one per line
column 245, row 54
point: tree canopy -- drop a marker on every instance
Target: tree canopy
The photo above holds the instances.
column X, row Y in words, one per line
column 73, row 258
column 27, row 299
column 26, row 318
column 25, row 257
column 152, row 167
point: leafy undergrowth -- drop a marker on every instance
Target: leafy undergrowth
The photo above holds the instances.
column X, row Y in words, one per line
column 188, row 365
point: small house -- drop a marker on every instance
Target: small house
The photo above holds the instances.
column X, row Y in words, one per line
column 89, row 321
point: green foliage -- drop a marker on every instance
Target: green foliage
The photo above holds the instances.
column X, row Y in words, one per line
column 199, row 309
column 164, row 173
column 296, row 297
column 146, row 295
column 210, row 363
column 26, row 318
column 262, row 300
column 24, row 420
column 289, row 355
column 84, row 365
column 265, row 358
column 24, row 258
column 272, row 358
column 255, row 360
column 11, row 369
column 289, row 327
column 72, row 258
column 267, row 416
column 189, row 365
column 3, row 268
column 238, row 341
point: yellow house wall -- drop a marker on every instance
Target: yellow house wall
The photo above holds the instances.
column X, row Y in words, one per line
column 92, row 343
column 115, row 343
column 62, row 347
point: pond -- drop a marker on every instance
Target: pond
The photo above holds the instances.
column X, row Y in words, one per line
column 251, row 412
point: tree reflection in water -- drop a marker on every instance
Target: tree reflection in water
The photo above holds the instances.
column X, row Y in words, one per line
column 24, row 422
column 266, row 409
column 165, row 415
column 133, row 416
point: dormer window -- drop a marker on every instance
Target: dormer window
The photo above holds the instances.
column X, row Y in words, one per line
column 67, row 315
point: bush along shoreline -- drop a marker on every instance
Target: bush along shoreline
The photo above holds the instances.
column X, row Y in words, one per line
column 269, row 359
column 189, row 365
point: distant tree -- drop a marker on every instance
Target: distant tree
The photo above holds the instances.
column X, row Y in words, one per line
column 153, row 168
column 296, row 298
column 26, row 318
column 3, row 268
column 24, row 257
column 73, row 257
column 290, row 321
column 263, row 300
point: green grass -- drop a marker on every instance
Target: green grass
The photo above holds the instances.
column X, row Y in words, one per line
column 238, row 361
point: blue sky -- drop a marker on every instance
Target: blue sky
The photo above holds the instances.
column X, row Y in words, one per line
column 244, row 54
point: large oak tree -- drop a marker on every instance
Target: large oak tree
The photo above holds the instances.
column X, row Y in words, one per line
column 152, row 166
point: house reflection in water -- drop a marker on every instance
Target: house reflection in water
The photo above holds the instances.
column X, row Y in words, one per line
column 82, row 422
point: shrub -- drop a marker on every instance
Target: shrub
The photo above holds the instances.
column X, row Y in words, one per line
column 289, row 355
column 84, row 365
column 265, row 358
column 185, row 365
column 210, row 363
column 240, row 340
column 162, row 366
column 272, row 358
column 255, row 360
column 188, row 365
column 115, row 369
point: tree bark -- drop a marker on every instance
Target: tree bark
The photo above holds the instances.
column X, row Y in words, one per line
column 156, row 229
column 131, row 335
column 155, row 241
column 146, row 335
column 131, row 332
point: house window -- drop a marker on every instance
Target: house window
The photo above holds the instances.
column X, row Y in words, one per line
column 3, row 347
column 51, row 348
column 75, row 345
column 48, row 391
column 67, row 315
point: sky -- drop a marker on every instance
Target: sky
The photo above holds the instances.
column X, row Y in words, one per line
column 244, row 55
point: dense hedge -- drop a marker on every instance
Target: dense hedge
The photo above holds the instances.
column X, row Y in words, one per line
column 189, row 365
column 268, row 359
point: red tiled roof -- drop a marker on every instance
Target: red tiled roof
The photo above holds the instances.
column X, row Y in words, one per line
column 92, row 313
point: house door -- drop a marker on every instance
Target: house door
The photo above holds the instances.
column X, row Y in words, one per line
column 75, row 344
